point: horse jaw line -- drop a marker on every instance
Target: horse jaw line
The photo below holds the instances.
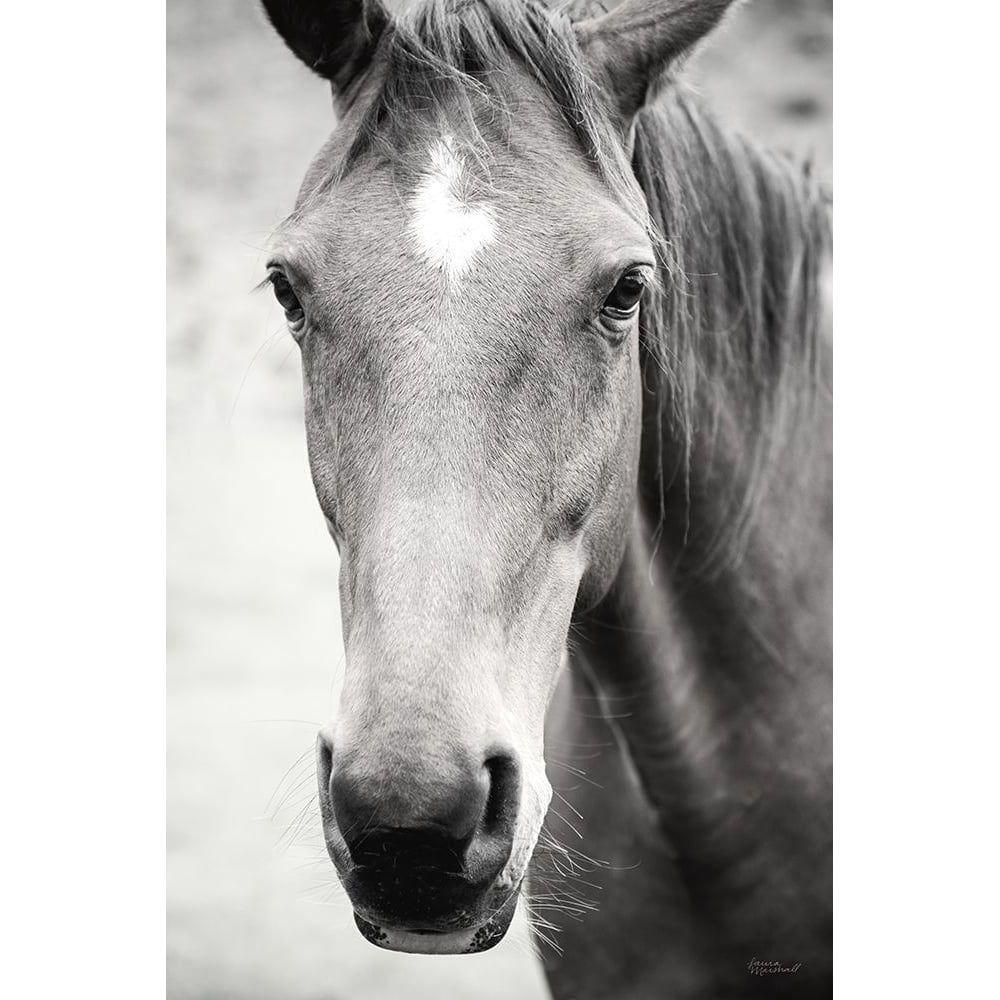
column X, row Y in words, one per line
column 448, row 231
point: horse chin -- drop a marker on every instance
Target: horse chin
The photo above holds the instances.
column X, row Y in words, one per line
column 428, row 942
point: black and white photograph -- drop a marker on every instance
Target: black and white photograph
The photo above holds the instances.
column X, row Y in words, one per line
column 434, row 566
column 499, row 500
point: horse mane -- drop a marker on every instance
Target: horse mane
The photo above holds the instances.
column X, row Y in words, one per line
column 462, row 55
column 735, row 339
column 732, row 335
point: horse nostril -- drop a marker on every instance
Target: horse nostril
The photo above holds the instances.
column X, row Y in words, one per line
column 324, row 769
column 490, row 848
column 505, row 785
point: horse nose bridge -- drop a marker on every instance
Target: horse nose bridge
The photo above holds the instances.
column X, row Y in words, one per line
column 442, row 510
column 416, row 674
column 467, row 661
column 422, row 587
column 440, row 544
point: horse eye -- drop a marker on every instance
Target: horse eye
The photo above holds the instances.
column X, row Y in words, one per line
column 623, row 301
column 287, row 299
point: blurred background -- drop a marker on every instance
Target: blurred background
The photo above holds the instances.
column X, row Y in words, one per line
column 253, row 643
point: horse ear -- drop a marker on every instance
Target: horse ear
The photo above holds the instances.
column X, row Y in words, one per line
column 631, row 49
column 334, row 38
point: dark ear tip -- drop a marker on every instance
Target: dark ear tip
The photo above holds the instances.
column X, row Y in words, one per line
column 376, row 18
column 636, row 45
column 334, row 39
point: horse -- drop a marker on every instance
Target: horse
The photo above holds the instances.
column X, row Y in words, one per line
column 567, row 374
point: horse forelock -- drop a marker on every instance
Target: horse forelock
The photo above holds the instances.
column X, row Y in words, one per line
column 454, row 66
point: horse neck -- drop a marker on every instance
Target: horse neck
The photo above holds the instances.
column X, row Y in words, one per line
column 714, row 640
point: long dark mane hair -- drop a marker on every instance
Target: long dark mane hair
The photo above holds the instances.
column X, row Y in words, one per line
column 733, row 345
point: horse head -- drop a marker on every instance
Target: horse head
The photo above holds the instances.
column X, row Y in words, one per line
column 464, row 274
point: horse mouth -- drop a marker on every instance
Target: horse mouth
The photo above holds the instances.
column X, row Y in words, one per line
column 414, row 890
column 424, row 912
column 427, row 941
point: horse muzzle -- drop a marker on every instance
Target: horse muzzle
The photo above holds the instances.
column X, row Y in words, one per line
column 424, row 863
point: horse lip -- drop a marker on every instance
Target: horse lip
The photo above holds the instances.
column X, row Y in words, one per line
column 430, row 941
column 416, row 941
column 460, row 923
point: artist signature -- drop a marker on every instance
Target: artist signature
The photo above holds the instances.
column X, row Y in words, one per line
column 761, row 967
